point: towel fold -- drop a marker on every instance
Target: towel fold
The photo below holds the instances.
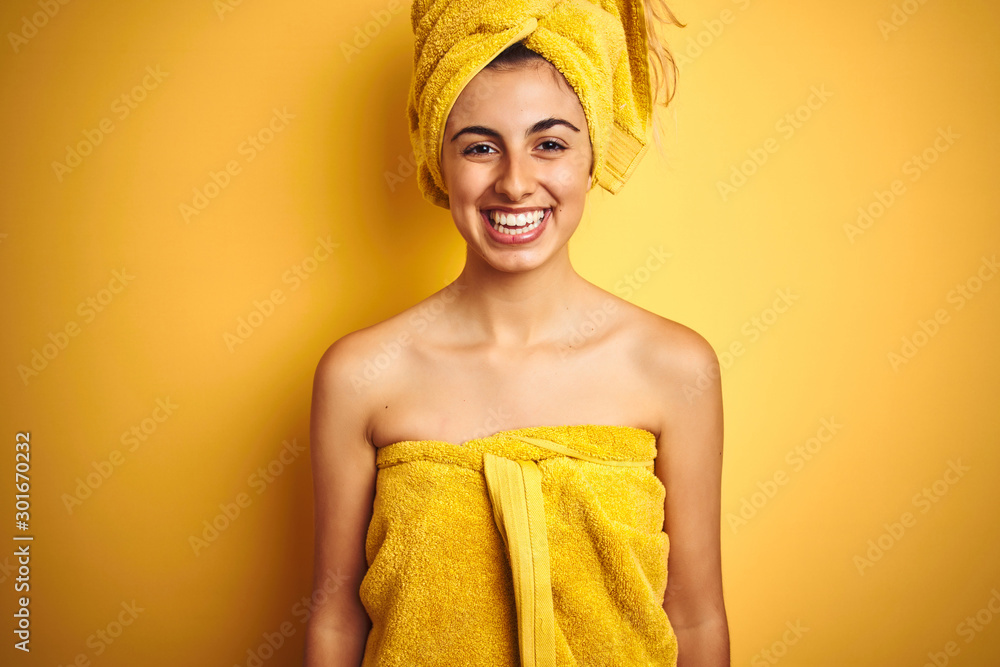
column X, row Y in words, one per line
column 540, row 547
column 600, row 47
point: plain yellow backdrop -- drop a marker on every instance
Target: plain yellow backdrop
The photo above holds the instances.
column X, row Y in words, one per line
column 199, row 197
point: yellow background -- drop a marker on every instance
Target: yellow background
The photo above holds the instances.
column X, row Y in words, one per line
column 340, row 169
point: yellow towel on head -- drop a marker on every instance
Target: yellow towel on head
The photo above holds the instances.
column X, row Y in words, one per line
column 600, row 47
column 538, row 547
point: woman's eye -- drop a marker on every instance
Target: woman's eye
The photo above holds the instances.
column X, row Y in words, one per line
column 475, row 149
column 549, row 146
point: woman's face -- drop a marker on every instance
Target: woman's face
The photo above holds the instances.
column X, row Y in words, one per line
column 516, row 161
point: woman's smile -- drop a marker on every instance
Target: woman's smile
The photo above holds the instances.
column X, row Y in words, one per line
column 515, row 226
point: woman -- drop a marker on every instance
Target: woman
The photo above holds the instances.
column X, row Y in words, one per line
column 545, row 542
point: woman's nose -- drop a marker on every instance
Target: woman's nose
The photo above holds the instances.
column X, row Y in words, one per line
column 517, row 177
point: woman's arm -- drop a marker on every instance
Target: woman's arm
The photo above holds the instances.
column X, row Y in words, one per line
column 689, row 463
column 343, row 468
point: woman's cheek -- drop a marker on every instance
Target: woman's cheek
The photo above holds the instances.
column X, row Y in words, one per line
column 573, row 171
column 565, row 175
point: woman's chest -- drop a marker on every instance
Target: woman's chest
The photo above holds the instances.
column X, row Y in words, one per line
column 459, row 402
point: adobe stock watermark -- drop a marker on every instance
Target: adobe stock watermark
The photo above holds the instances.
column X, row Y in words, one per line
column 901, row 13
column 101, row 639
column 365, row 34
column 914, row 168
column 752, row 330
column 712, row 29
column 494, row 422
column 632, row 282
column 32, row 23
column 302, row 610
column 924, row 500
column 121, row 107
column 258, row 481
column 927, row 329
column 262, row 310
column 252, row 146
column 405, row 167
column 593, row 322
column 796, row 457
column 786, row 127
column 223, row 7
column 773, row 654
column 422, row 317
column 132, row 439
column 597, row 318
column 88, row 310
column 968, row 629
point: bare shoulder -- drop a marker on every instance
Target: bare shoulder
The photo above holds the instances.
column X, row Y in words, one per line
column 350, row 370
column 677, row 375
column 670, row 358
column 366, row 367
column 342, row 358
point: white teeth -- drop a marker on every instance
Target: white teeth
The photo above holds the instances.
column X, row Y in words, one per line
column 511, row 224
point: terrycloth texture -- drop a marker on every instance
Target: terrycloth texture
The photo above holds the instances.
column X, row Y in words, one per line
column 600, row 46
column 501, row 551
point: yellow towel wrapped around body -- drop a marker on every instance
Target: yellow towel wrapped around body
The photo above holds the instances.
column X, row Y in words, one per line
column 538, row 547
column 599, row 46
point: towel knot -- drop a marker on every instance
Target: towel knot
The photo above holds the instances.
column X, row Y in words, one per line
column 515, row 490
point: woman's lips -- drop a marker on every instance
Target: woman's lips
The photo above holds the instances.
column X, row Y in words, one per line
column 515, row 239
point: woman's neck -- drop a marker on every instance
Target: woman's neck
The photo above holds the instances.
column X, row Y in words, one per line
column 519, row 309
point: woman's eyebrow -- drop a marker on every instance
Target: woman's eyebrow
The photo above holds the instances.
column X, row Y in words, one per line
column 543, row 125
column 540, row 126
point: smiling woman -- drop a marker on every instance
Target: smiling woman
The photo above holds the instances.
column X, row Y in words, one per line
column 519, row 172
column 549, row 541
